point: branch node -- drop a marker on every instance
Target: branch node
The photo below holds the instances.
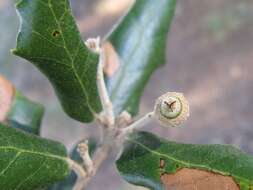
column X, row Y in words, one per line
column 124, row 119
column 106, row 117
column 136, row 125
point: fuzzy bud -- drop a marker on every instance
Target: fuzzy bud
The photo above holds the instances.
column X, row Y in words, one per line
column 93, row 44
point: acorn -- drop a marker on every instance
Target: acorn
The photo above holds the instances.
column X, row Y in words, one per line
column 171, row 109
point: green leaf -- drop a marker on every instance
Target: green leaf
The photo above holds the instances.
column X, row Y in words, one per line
column 69, row 182
column 140, row 161
column 140, row 41
column 25, row 114
column 28, row 162
column 49, row 38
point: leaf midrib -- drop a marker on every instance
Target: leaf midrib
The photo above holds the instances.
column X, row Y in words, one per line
column 20, row 151
column 49, row 5
column 189, row 165
column 69, row 55
column 18, row 154
column 140, row 40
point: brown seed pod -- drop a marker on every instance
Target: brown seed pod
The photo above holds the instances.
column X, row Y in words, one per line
column 171, row 109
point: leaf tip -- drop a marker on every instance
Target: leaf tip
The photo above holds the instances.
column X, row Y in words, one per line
column 18, row 2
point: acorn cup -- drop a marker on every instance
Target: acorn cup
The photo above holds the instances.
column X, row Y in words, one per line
column 171, row 109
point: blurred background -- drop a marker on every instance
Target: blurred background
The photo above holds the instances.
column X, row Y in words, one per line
column 209, row 58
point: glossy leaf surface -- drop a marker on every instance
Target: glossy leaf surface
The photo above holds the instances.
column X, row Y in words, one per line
column 141, row 160
column 28, row 162
column 25, row 114
column 49, row 38
column 140, row 41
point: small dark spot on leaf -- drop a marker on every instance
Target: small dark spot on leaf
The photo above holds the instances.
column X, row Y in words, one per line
column 177, row 165
column 163, row 173
column 56, row 33
column 162, row 163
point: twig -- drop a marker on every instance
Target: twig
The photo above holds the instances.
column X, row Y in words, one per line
column 77, row 168
column 112, row 130
column 104, row 97
column 109, row 141
column 101, row 153
column 83, row 150
column 137, row 124
column 107, row 116
column 99, row 157
column 79, row 171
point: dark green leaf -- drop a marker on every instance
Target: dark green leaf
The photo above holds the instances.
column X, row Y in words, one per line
column 28, row 162
column 140, row 41
column 18, row 111
column 140, row 162
column 69, row 182
column 49, row 38
column 25, row 114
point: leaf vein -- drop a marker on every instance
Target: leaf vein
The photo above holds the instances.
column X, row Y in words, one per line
column 190, row 165
column 31, row 152
column 10, row 163
column 71, row 58
column 30, row 176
